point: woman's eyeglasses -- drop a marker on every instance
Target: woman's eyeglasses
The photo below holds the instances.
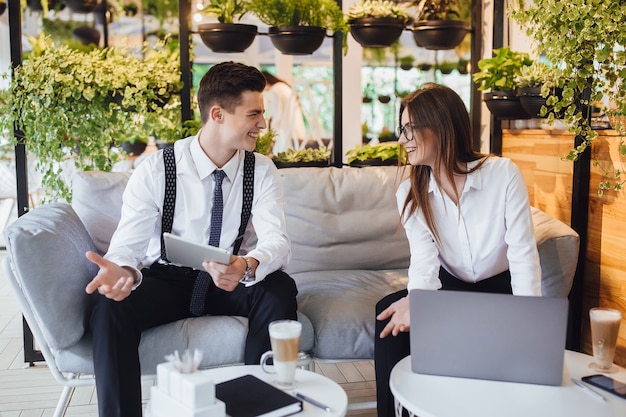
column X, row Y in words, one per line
column 407, row 131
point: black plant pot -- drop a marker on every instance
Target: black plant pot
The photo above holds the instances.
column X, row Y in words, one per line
column 505, row 105
column 439, row 34
column 35, row 5
column 82, row 6
column 310, row 164
column 87, row 35
column 531, row 100
column 384, row 99
column 367, row 99
column 135, row 149
column 297, row 40
column 227, row 37
column 372, row 32
column 424, row 67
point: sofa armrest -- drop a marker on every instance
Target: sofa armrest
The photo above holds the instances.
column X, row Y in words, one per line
column 47, row 249
column 558, row 246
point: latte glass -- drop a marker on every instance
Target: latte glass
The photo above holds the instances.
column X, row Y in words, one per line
column 604, row 329
column 285, row 341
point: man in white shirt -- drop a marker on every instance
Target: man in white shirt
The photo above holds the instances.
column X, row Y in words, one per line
column 136, row 288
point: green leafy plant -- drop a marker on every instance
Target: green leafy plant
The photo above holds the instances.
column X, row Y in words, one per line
column 499, row 72
column 383, row 151
column 586, row 39
column 265, row 142
column 226, row 11
column 74, row 106
column 303, row 155
column 321, row 13
column 378, row 9
column 437, row 9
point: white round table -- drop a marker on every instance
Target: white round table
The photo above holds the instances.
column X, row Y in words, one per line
column 438, row 396
column 312, row 385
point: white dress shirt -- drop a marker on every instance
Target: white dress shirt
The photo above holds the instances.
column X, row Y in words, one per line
column 137, row 240
column 489, row 232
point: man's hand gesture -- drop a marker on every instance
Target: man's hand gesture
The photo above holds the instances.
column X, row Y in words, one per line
column 112, row 281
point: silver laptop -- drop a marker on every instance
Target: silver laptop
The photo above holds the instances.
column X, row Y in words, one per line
column 488, row 336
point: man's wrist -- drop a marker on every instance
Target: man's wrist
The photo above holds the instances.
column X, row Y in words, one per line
column 248, row 275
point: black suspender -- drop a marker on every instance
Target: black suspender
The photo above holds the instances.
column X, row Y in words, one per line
column 169, row 201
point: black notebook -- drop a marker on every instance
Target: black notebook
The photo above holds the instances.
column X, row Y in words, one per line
column 248, row 396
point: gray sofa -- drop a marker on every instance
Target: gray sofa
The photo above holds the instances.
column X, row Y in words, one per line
column 348, row 251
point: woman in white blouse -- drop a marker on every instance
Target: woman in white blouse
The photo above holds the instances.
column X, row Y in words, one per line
column 466, row 216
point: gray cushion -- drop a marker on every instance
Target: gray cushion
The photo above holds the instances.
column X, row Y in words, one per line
column 341, row 306
column 344, row 218
column 47, row 247
column 220, row 338
column 97, row 199
column 558, row 246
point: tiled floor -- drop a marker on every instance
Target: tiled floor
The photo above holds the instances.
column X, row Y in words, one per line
column 32, row 392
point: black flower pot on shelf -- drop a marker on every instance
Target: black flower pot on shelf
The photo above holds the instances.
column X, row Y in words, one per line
column 367, row 99
column 373, row 162
column 376, row 32
column 227, row 37
column 82, row 6
column 301, row 164
column 505, row 105
column 384, row 99
column 531, row 100
column 297, row 40
column 439, row 34
column 87, row 35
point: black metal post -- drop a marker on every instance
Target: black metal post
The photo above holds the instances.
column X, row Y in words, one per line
column 31, row 355
column 579, row 221
column 337, row 156
column 476, row 53
column 495, row 137
column 184, row 16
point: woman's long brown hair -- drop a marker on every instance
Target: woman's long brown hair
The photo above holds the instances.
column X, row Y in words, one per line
column 441, row 110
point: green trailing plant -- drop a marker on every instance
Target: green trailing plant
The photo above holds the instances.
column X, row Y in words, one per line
column 265, row 142
column 378, row 9
column 499, row 72
column 383, row 151
column 74, row 106
column 587, row 40
column 304, row 155
column 226, row 11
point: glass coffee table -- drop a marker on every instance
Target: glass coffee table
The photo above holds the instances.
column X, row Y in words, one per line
column 438, row 396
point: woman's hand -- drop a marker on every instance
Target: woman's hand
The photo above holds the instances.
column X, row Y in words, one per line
column 400, row 319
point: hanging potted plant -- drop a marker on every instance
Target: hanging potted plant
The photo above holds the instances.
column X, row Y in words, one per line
column 438, row 25
column 75, row 107
column 537, row 88
column 226, row 35
column 298, row 27
column 497, row 74
column 587, row 43
column 377, row 23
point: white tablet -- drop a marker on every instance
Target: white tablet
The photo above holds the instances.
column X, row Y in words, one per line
column 186, row 253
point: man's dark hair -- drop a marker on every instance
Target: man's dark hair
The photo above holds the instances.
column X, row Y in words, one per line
column 223, row 85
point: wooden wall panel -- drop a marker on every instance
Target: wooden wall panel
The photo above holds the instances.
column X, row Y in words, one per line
column 605, row 267
column 549, row 180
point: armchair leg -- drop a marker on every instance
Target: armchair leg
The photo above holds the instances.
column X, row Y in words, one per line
column 64, row 401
